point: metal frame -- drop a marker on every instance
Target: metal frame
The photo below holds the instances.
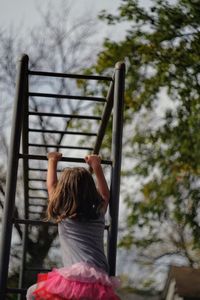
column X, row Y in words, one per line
column 113, row 103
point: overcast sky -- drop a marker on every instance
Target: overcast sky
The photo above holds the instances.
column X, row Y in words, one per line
column 14, row 11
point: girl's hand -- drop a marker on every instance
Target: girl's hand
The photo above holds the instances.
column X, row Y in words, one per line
column 54, row 156
column 93, row 160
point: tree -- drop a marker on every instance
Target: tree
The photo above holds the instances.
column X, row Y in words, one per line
column 161, row 139
column 57, row 44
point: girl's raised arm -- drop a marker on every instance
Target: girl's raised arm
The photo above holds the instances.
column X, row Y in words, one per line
column 94, row 161
column 53, row 158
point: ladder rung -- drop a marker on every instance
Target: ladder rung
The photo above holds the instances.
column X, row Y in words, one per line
column 39, row 222
column 15, row 291
column 45, row 114
column 37, row 205
column 33, row 213
column 71, row 97
column 37, row 179
column 37, row 189
column 37, row 169
column 33, row 197
column 41, row 170
column 33, row 222
column 74, row 76
column 68, row 159
column 61, row 147
column 62, row 132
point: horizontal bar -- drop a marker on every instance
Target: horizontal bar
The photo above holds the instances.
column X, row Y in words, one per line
column 68, row 159
column 36, row 205
column 45, row 114
column 35, row 212
column 15, row 291
column 33, row 222
column 65, row 75
column 37, row 189
column 61, row 147
column 40, row 198
column 71, row 97
column 38, row 169
column 37, row 179
column 62, row 132
column 39, row 222
column 39, row 204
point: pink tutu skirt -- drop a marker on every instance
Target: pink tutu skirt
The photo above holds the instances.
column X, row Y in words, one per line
column 81, row 281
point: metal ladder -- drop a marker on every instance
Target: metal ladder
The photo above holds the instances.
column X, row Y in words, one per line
column 20, row 146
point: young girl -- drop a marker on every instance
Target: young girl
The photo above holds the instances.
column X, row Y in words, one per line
column 78, row 206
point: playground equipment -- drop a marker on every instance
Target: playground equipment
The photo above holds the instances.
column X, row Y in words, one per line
column 20, row 146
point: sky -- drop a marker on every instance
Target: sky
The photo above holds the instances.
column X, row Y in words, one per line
column 26, row 11
column 14, row 11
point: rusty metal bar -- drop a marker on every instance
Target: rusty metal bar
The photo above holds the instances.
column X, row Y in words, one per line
column 116, row 163
column 68, row 159
column 33, row 222
column 45, row 114
column 105, row 118
column 71, row 97
column 73, row 76
column 61, row 147
column 62, row 132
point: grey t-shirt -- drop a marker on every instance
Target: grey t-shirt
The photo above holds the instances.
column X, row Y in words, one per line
column 82, row 241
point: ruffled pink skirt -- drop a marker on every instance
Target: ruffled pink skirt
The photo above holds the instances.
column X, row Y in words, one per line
column 81, row 281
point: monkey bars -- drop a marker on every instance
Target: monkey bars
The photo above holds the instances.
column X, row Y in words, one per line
column 21, row 144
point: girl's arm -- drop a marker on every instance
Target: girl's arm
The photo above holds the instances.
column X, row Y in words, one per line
column 53, row 158
column 94, row 161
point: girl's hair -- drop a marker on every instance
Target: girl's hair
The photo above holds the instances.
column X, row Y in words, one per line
column 74, row 196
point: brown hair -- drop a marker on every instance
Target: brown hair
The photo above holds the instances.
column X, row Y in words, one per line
column 74, row 196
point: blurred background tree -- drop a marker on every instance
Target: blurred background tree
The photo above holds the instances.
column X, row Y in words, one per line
column 160, row 182
column 161, row 170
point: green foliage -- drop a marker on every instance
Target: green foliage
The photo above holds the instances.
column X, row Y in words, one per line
column 162, row 106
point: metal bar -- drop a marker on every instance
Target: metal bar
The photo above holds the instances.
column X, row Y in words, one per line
column 105, row 118
column 37, row 189
column 37, row 179
column 33, row 222
column 45, row 114
column 75, row 76
column 39, row 222
column 12, row 173
column 39, row 198
column 61, row 147
column 38, row 169
column 62, row 132
column 116, row 166
column 25, row 139
column 71, row 97
column 67, row 159
column 37, row 205
column 41, row 170
column 42, row 203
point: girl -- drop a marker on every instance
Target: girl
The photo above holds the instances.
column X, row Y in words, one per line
column 78, row 206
